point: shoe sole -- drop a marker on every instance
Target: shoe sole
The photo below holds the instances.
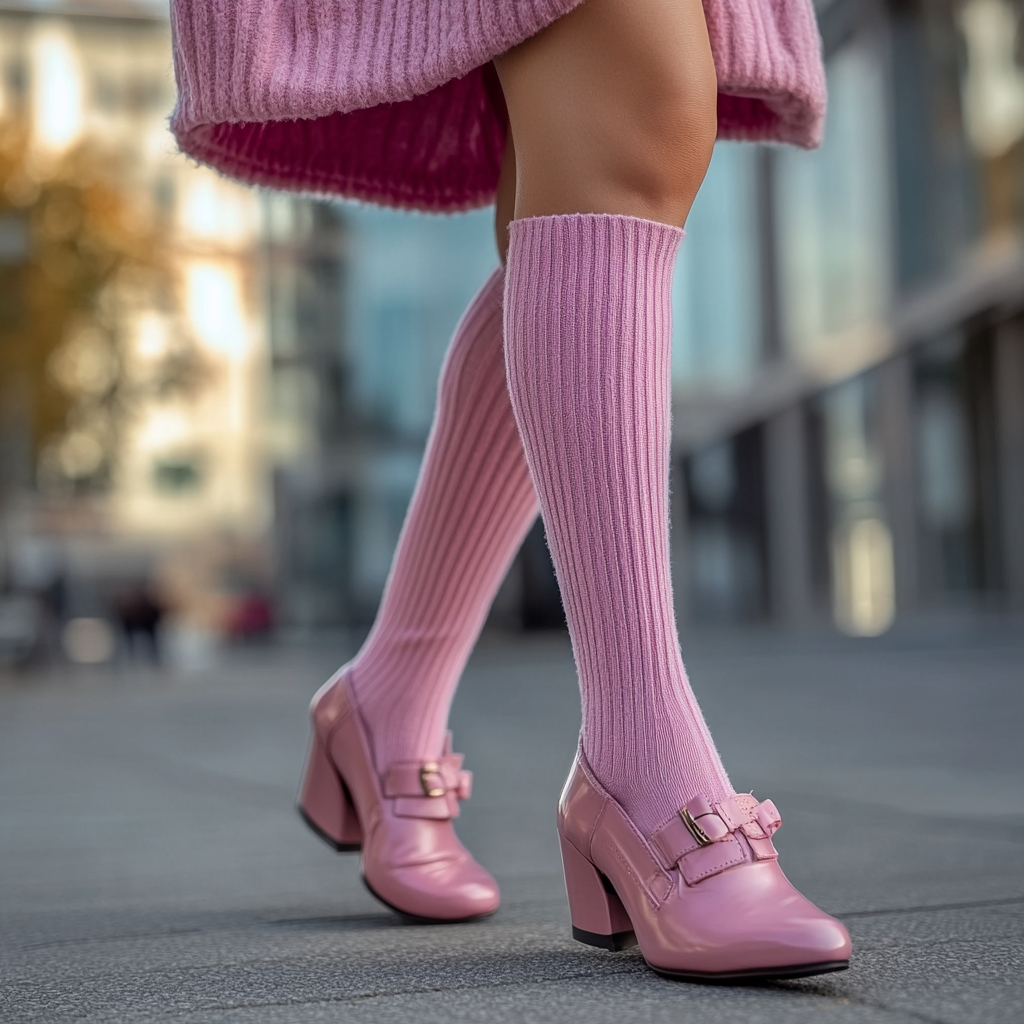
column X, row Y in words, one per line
column 613, row 943
column 624, row 940
column 754, row 974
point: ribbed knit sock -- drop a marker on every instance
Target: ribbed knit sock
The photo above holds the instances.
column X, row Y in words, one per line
column 588, row 344
column 474, row 502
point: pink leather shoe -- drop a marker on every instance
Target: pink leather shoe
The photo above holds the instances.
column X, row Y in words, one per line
column 412, row 860
column 704, row 897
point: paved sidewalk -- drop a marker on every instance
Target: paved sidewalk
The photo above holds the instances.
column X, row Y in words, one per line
column 152, row 867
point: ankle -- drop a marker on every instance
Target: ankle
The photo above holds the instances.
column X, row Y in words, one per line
column 403, row 721
column 652, row 781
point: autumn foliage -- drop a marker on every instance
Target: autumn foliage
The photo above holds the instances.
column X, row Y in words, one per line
column 74, row 252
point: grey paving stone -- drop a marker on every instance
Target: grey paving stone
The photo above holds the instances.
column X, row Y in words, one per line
column 152, row 867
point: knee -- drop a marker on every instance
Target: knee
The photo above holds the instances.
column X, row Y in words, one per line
column 505, row 200
column 614, row 110
column 663, row 156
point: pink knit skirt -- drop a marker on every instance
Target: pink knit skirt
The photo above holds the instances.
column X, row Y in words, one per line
column 395, row 101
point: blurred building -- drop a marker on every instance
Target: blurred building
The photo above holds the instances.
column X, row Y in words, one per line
column 153, row 456
column 849, row 353
column 850, row 371
column 848, row 365
column 362, row 304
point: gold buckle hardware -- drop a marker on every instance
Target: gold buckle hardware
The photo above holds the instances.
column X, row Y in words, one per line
column 701, row 837
column 431, row 768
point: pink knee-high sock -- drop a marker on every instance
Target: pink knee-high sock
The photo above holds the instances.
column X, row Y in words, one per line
column 588, row 345
column 473, row 504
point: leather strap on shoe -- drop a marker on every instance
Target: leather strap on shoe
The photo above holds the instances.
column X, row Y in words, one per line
column 703, row 839
column 428, row 789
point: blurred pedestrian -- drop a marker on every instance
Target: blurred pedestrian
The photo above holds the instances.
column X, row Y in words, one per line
column 590, row 126
column 251, row 616
column 139, row 613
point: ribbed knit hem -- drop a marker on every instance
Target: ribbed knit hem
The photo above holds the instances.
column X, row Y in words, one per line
column 395, row 101
column 378, row 155
column 389, row 101
column 771, row 74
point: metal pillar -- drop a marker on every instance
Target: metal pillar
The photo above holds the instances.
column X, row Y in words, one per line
column 1009, row 398
column 789, row 535
column 896, row 402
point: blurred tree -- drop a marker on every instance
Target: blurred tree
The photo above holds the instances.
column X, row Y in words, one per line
column 76, row 255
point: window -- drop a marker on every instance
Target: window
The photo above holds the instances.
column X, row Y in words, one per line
column 833, row 216
column 959, row 131
column 860, row 540
column 717, row 296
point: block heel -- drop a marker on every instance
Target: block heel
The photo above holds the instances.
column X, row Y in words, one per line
column 325, row 804
column 597, row 914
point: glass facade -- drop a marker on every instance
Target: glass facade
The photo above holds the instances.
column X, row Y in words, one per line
column 727, row 574
column 882, row 331
column 955, row 438
column 859, row 537
column 958, row 120
column 717, row 297
column 834, row 218
column 407, row 287
column 362, row 303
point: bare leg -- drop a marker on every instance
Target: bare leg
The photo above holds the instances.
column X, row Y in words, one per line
column 505, row 202
column 613, row 110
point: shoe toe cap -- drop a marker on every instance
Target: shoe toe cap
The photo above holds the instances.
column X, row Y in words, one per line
column 746, row 920
column 440, row 891
column 806, row 938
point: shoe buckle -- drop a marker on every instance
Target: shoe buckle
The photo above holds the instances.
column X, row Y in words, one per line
column 700, row 836
column 431, row 768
